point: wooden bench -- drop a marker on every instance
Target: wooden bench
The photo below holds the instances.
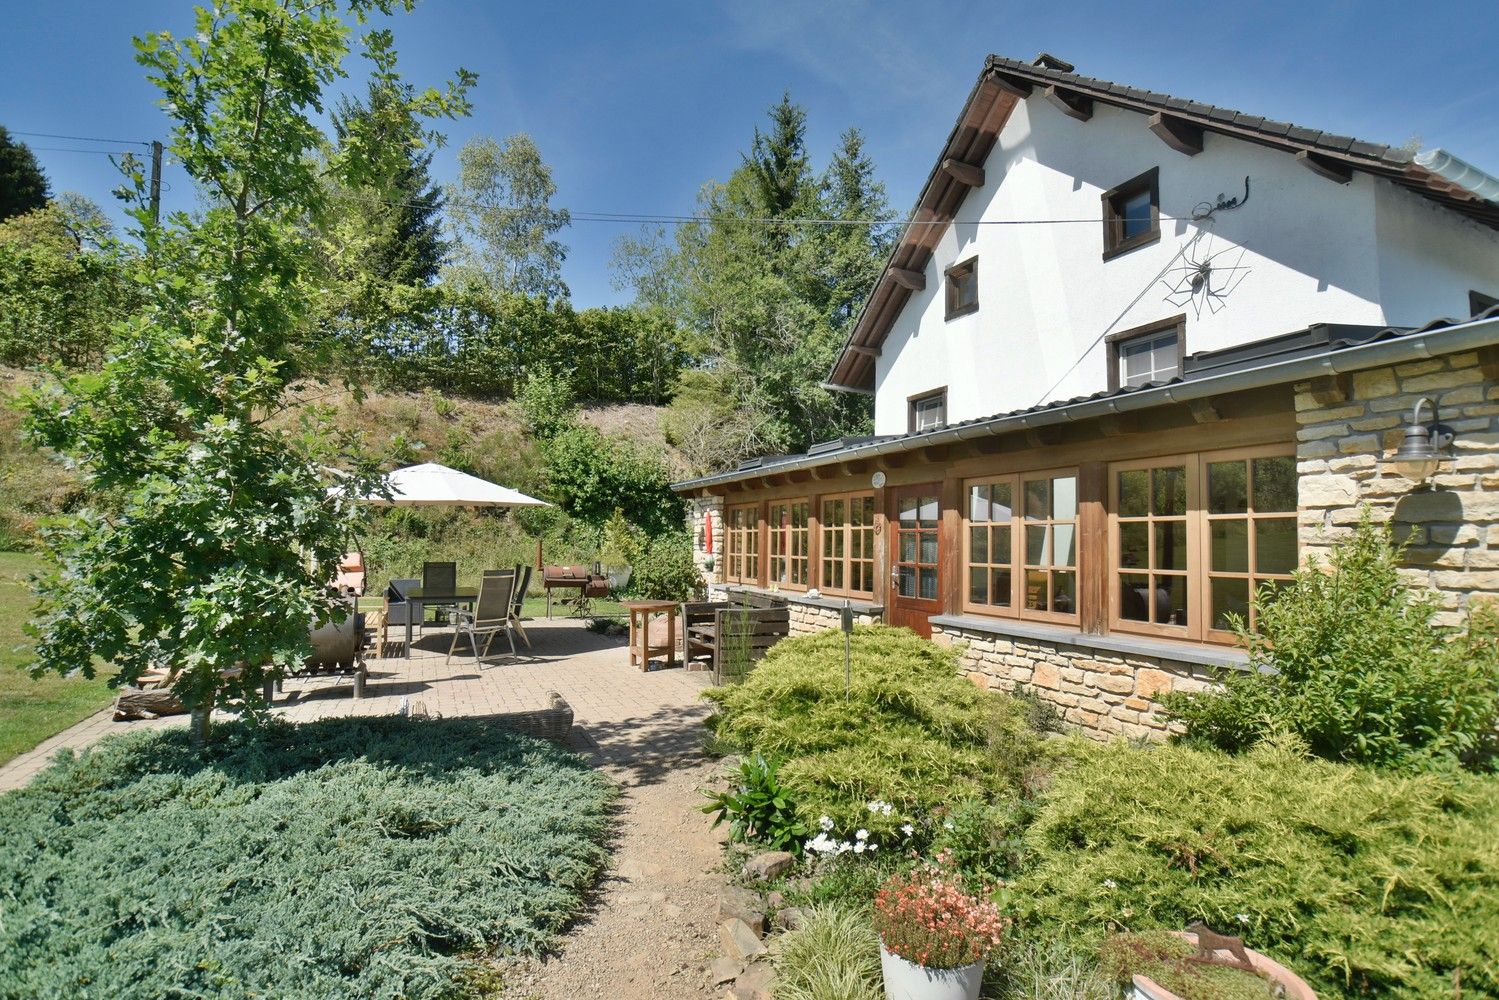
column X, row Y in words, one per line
column 733, row 634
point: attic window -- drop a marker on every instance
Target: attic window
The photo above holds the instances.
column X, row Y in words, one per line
column 928, row 411
column 1151, row 353
column 963, row 288
column 1131, row 214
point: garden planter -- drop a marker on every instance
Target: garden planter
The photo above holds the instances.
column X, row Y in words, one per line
column 1292, row 985
column 908, row 981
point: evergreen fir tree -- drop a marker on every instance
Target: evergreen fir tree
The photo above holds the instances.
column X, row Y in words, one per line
column 23, row 186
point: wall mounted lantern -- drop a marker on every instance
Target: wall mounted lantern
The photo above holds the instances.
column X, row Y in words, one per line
column 1423, row 447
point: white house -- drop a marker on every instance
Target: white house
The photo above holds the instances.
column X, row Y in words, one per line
column 1131, row 360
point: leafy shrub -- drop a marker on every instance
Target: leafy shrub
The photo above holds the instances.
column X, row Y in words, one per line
column 910, row 731
column 546, row 400
column 665, row 570
column 833, row 955
column 1365, row 882
column 1349, row 661
column 758, row 808
column 591, row 476
column 1167, row 959
column 348, row 857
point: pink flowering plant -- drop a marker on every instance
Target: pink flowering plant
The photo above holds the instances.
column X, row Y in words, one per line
column 928, row 917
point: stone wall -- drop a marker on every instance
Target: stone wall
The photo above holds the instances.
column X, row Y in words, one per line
column 1453, row 523
column 809, row 618
column 698, row 511
column 1104, row 693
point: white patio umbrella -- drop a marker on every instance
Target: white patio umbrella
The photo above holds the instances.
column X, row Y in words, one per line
column 433, row 485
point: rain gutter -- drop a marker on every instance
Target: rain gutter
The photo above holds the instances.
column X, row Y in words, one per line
column 1395, row 350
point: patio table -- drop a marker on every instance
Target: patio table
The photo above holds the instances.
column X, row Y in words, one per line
column 418, row 597
column 640, row 631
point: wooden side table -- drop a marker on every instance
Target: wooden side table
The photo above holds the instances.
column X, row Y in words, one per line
column 640, row 631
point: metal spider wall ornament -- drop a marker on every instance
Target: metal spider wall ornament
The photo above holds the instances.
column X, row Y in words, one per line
column 1205, row 277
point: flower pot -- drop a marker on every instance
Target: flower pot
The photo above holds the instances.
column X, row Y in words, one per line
column 1292, row 986
column 909, row 981
column 618, row 576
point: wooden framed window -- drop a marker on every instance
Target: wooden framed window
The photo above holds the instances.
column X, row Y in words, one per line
column 989, row 545
column 742, row 544
column 789, row 539
column 927, row 411
column 1020, row 546
column 1251, row 532
column 1194, row 537
column 962, row 281
column 847, row 530
column 1151, row 353
column 1132, row 214
column 1478, row 302
column 1049, row 545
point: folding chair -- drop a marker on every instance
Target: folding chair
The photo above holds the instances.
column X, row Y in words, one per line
column 490, row 617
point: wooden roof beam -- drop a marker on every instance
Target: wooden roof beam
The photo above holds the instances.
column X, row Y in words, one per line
column 964, row 173
column 868, row 352
column 1178, row 133
column 1013, row 84
column 1070, row 102
column 1325, row 166
column 906, row 278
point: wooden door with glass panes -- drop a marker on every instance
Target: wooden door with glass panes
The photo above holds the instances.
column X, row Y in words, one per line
column 916, row 557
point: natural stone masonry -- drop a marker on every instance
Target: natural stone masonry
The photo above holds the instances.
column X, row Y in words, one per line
column 1105, row 694
column 1453, row 524
column 698, row 511
column 809, row 618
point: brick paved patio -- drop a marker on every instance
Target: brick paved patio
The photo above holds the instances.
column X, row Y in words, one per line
column 637, row 723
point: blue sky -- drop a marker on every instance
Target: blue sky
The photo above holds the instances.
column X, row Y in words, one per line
column 637, row 105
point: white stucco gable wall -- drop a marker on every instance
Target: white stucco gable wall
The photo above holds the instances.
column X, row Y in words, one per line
column 1317, row 251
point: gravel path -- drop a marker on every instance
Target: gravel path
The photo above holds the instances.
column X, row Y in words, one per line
column 653, row 926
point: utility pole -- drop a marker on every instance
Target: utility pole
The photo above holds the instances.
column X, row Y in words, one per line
column 155, row 181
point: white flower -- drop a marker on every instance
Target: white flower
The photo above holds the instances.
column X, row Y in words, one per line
column 862, row 835
column 907, row 829
column 873, row 848
column 879, row 807
column 1109, row 883
column 845, row 847
column 1242, row 918
column 825, row 823
column 859, row 847
column 947, row 824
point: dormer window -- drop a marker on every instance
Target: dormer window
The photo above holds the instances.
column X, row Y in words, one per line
column 1151, row 353
column 963, row 288
column 1131, row 214
column 1478, row 302
column 928, row 411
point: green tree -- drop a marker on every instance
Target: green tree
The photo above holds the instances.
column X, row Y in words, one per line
column 402, row 211
column 504, row 225
column 23, row 186
column 64, row 282
column 767, row 284
column 209, row 534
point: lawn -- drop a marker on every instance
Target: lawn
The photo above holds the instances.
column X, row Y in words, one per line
column 32, row 710
column 373, row 857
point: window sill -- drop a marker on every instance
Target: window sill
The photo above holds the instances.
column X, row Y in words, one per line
column 1180, row 651
column 1136, row 243
column 800, row 597
column 961, row 311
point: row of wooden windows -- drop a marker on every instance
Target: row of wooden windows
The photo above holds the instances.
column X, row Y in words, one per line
column 844, row 529
column 1191, row 539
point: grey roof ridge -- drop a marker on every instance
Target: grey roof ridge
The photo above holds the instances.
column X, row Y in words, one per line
column 1395, row 346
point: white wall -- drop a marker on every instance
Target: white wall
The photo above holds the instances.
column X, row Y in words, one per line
column 1318, row 251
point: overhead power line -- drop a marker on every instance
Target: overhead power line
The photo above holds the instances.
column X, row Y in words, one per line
column 79, row 138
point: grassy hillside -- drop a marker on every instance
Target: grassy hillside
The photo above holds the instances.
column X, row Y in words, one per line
column 485, row 438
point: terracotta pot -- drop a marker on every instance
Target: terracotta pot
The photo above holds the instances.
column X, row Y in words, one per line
column 1295, row 987
column 906, row 980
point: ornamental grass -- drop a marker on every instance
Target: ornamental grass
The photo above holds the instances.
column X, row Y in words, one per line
column 360, row 857
column 926, row 916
